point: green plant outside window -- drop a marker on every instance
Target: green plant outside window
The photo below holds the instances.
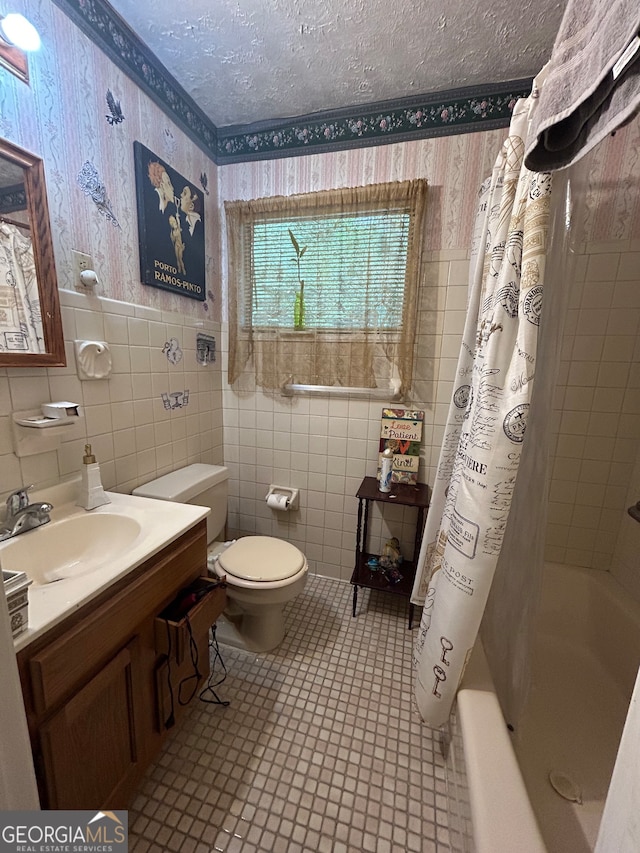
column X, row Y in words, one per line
column 343, row 266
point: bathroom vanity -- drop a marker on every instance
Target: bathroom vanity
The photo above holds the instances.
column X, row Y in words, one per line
column 105, row 683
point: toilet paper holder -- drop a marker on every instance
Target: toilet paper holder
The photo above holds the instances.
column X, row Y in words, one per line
column 285, row 491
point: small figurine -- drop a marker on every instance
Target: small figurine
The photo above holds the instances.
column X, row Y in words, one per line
column 391, row 557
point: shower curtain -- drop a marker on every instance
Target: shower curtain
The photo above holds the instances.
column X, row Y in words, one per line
column 508, row 624
column 20, row 312
column 487, row 421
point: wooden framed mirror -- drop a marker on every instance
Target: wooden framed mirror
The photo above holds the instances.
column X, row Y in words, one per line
column 30, row 321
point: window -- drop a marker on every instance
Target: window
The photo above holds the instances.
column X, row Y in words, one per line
column 350, row 262
column 323, row 286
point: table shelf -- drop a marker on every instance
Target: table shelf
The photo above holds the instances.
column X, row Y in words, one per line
column 401, row 494
column 364, row 576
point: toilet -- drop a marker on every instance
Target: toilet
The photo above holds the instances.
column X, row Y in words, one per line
column 262, row 573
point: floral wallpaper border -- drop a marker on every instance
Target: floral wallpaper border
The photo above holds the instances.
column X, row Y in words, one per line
column 438, row 114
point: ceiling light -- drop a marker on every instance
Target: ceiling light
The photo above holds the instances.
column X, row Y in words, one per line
column 17, row 31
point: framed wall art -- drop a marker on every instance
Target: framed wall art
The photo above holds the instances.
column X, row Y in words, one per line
column 170, row 227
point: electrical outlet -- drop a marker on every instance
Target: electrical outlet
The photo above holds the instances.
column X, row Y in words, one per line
column 81, row 261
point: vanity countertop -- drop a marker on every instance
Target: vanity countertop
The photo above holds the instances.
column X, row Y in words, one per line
column 160, row 522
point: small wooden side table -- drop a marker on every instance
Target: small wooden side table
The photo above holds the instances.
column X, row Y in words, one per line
column 363, row 576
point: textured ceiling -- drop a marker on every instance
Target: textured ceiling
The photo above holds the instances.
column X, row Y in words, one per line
column 245, row 61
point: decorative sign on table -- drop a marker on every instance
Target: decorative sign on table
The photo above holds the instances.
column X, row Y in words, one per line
column 170, row 227
column 401, row 430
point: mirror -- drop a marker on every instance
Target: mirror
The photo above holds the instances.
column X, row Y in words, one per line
column 30, row 321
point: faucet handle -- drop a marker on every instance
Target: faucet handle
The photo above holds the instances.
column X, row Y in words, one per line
column 18, row 500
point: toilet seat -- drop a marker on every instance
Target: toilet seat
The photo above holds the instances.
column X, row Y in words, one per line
column 261, row 559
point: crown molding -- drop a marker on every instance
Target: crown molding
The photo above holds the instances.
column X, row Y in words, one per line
column 438, row 114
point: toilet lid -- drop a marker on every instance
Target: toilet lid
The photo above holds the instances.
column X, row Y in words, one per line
column 261, row 558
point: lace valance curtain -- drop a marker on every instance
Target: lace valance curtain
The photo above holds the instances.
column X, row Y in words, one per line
column 361, row 298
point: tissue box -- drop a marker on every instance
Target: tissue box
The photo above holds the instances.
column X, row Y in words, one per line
column 16, row 589
column 61, row 411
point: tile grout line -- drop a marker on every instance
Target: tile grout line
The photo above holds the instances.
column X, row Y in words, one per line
column 321, row 749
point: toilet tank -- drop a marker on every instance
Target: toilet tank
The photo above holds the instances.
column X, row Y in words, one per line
column 200, row 484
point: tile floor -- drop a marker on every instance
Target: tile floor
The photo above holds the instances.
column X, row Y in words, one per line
column 321, row 747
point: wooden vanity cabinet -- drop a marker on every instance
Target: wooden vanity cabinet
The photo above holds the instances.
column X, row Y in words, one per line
column 91, row 688
column 96, row 728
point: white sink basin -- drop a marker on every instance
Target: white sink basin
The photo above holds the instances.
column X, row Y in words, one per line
column 79, row 554
column 70, row 547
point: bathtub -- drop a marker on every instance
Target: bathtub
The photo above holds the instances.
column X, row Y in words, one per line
column 585, row 661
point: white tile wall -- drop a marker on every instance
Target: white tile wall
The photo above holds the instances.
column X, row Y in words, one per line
column 132, row 435
column 598, row 413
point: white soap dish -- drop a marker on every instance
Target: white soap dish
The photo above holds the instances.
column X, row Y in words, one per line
column 93, row 359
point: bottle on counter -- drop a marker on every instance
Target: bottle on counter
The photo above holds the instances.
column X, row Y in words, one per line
column 385, row 470
column 92, row 494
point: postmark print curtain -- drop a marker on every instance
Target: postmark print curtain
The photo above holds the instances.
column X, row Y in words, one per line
column 487, row 423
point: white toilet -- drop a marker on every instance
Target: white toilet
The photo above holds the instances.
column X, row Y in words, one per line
column 263, row 573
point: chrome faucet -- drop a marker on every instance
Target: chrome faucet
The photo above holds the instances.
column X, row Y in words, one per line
column 21, row 515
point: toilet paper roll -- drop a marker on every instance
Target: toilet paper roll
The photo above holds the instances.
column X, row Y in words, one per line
column 278, row 502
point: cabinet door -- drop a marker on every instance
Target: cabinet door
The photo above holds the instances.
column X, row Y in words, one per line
column 89, row 746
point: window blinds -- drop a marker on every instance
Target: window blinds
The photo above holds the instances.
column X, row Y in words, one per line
column 353, row 268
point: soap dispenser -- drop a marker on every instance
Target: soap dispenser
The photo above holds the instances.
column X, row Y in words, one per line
column 92, row 494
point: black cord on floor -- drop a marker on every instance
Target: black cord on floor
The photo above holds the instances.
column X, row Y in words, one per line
column 171, row 720
column 197, row 675
column 211, row 684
